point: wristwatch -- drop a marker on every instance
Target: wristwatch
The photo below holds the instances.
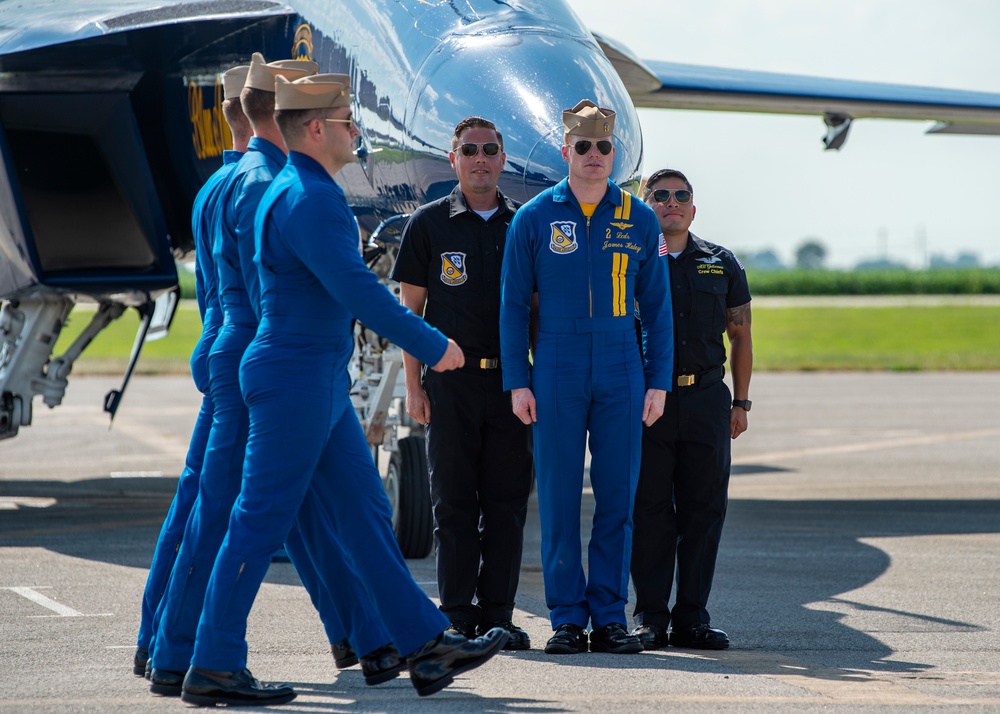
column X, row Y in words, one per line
column 742, row 404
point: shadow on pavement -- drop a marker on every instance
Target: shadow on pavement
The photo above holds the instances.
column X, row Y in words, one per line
column 777, row 558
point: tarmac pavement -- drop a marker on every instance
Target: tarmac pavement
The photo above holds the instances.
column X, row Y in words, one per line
column 858, row 569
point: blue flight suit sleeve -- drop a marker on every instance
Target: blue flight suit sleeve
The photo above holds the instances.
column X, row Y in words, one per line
column 652, row 293
column 340, row 268
column 517, row 283
column 245, row 204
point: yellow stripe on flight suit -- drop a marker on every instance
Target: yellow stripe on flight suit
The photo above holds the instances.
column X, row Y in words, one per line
column 619, row 266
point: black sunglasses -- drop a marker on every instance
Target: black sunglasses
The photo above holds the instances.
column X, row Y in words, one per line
column 490, row 148
column 582, row 147
column 681, row 195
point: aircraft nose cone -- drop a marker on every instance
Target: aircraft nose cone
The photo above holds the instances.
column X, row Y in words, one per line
column 522, row 83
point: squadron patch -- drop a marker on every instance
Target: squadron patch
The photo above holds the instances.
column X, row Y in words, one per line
column 453, row 268
column 563, row 237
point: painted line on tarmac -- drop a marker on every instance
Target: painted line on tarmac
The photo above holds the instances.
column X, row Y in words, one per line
column 49, row 604
column 922, row 440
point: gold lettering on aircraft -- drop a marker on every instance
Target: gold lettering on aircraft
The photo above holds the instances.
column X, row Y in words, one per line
column 302, row 44
column 209, row 131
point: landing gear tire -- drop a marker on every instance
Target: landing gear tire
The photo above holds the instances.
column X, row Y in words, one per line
column 406, row 484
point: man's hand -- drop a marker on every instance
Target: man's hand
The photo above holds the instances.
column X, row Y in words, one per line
column 738, row 421
column 453, row 358
column 418, row 404
column 523, row 403
column 652, row 406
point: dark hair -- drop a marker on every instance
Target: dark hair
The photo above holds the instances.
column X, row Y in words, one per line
column 474, row 123
column 232, row 110
column 258, row 104
column 661, row 174
column 292, row 122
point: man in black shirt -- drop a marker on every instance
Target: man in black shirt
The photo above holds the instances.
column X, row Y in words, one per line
column 680, row 504
column 448, row 268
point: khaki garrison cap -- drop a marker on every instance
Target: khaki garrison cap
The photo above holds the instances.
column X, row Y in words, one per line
column 233, row 81
column 261, row 74
column 588, row 119
column 320, row 91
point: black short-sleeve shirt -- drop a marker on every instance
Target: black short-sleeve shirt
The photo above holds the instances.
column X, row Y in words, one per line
column 452, row 251
column 706, row 280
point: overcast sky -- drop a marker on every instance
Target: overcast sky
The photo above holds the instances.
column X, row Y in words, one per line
column 764, row 181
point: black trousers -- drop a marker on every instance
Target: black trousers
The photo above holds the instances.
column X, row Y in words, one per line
column 480, row 475
column 680, row 506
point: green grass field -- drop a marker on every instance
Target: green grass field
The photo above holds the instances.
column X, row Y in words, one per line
column 786, row 339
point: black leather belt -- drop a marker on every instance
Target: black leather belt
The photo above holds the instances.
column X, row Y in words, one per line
column 701, row 379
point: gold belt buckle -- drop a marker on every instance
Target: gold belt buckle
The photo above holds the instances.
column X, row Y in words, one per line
column 489, row 363
column 685, row 380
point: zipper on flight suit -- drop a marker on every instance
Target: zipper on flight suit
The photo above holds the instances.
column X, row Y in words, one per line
column 590, row 270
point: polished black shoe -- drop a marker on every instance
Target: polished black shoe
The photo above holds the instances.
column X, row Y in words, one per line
column 149, row 669
column 518, row 639
column 206, row 687
column 165, row 682
column 652, row 637
column 614, row 638
column 699, row 637
column 568, row 639
column 343, row 654
column 382, row 665
column 465, row 629
column 434, row 666
column 139, row 660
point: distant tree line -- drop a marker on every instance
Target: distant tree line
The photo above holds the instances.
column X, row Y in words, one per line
column 811, row 254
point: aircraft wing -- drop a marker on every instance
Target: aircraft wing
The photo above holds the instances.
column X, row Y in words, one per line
column 672, row 85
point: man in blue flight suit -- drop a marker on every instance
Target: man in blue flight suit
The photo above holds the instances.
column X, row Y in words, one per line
column 680, row 504
column 477, row 450
column 203, row 216
column 345, row 608
column 306, row 448
column 589, row 248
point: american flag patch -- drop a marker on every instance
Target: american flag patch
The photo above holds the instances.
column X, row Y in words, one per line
column 663, row 245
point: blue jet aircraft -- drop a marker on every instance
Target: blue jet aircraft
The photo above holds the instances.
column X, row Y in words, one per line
column 110, row 120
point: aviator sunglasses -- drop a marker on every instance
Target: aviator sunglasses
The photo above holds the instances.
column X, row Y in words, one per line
column 681, row 195
column 490, row 148
column 582, row 147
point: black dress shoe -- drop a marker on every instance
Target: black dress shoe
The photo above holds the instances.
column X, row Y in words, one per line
column 149, row 669
column 518, row 639
column 206, row 687
column 465, row 629
column 699, row 637
column 652, row 637
column 139, row 660
column 382, row 665
column 165, row 682
column 343, row 654
column 614, row 638
column 568, row 639
column 434, row 666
